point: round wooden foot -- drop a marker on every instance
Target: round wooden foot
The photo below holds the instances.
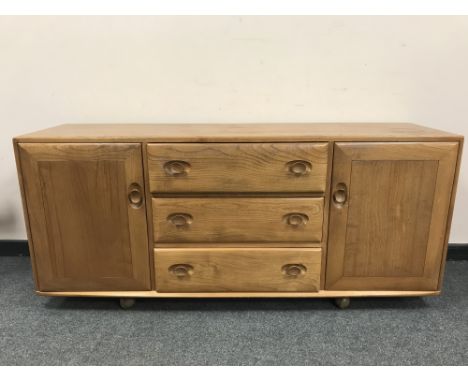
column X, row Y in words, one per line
column 342, row 302
column 127, row 303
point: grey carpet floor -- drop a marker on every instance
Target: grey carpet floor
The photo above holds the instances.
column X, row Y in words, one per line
column 65, row 331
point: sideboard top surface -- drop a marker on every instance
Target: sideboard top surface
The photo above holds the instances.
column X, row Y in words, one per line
column 286, row 132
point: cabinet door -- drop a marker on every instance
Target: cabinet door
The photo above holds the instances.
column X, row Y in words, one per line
column 87, row 215
column 388, row 215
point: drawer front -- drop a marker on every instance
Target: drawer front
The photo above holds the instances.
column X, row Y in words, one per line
column 238, row 270
column 242, row 167
column 237, row 220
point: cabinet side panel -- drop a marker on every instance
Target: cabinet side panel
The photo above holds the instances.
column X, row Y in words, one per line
column 25, row 212
column 450, row 213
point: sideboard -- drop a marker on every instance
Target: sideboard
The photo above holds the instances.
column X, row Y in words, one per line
column 335, row 210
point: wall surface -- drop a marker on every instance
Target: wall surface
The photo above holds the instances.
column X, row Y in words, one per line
column 229, row 69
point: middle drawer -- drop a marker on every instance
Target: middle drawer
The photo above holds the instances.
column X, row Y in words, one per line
column 237, row 220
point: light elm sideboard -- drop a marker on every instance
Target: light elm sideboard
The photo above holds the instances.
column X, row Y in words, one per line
column 255, row 210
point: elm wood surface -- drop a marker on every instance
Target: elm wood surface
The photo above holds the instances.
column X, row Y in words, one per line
column 229, row 270
column 450, row 213
column 86, row 234
column 237, row 220
column 242, row 167
column 266, row 132
column 387, row 227
column 149, row 215
column 319, row 294
column 25, row 213
column 324, row 244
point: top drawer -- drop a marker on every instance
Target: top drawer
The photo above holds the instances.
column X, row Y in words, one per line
column 237, row 167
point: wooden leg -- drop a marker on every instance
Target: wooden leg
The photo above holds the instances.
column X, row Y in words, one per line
column 342, row 302
column 127, row 303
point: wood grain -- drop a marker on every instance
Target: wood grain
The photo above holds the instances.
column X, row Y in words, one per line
column 319, row 294
column 450, row 214
column 326, row 217
column 85, row 234
column 387, row 235
column 226, row 270
column 237, row 220
column 245, row 167
column 401, row 197
column 149, row 214
column 26, row 214
column 260, row 132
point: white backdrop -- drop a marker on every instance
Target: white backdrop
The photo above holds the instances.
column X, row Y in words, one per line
column 229, row 69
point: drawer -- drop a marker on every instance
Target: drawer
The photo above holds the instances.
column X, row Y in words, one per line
column 237, row 220
column 242, row 270
column 241, row 167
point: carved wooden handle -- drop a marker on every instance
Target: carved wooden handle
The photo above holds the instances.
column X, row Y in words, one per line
column 299, row 167
column 340, row 196
column 135, row 195
column 181, row 270
column 294, row 270
column 177, row 167
column 296, row 219
column 180, row 219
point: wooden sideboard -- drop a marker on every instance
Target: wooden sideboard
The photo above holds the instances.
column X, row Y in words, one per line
column 254, row 210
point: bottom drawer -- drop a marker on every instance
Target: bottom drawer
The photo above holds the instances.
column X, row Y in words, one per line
column 238, row 270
